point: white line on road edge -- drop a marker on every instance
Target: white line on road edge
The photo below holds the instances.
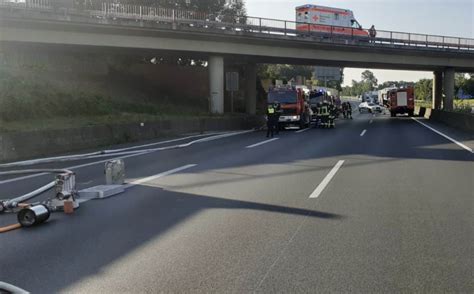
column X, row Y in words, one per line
column 302, row 130
column 163, row 174
column 443, row 135
column 261, row 143
column 363, row 133
column 128, row 156
column 326, row 180
column 103, row 153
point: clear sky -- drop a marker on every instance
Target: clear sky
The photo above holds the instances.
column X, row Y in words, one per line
column 437, row 17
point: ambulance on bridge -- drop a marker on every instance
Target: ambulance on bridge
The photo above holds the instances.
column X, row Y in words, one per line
column 315, row 18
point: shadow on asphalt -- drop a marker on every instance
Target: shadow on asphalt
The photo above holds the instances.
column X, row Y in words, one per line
column 108, row 230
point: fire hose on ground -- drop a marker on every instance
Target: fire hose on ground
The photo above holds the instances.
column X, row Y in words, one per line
column 116, row 152
column 33, row 214
column 30, row 215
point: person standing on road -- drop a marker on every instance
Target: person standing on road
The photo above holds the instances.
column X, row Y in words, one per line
column 344, row 109
column 332, row 115
column 271, row 120
column 325, row 114
column 278, row 112
column 349, row 110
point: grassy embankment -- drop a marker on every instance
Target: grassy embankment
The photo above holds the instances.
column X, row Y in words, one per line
column 26, row 105
column 459, row 105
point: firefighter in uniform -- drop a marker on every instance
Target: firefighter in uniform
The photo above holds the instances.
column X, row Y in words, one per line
column 278, row 112
column 332, row 115
column 318, row 114
column 344, row 109
column 349, row 110
column 271, row 119
column 325, row 114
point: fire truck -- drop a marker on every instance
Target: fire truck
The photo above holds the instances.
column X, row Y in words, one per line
column 294, row 109
column 401, row 101
column 329, row 20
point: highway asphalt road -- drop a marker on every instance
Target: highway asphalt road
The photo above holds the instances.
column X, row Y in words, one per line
column 385, row 210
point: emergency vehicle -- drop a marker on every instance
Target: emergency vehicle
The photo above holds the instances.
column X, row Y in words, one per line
column 383, row 96
column 294, row 109
column 401, row 101
column 315, row 18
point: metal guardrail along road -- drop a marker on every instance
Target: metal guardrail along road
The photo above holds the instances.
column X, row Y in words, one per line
column 250, row 25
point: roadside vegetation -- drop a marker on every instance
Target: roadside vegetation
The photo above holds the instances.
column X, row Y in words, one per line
column 464, row 86
column 26, row 104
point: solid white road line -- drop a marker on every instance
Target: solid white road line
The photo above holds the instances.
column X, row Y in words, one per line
column 443, row 135
column 261, row 143
column 103, row 153
column 363, row 133
column 70, row 167
column 157, row 176
column 123, row 157
column 302, row 130
column 326, row 180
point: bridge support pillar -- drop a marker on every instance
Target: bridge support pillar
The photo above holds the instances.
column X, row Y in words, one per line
column 216, row 84
column 437, row 89
column 448, row 89
column 251, row 88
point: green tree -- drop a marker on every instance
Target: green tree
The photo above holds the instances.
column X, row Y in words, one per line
column 424, row 89
column 464, row 81
column 369, row 78
column 235, row 12
column 284, row 71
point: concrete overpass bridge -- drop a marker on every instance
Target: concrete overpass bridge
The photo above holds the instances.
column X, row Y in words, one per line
column 252, row 40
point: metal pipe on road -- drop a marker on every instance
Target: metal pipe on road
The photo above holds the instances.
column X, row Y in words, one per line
column 12, row 203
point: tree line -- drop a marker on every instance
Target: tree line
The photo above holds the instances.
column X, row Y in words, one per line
column 218, row 8
column 423, row 88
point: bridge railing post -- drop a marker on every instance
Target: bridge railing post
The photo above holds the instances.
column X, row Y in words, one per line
column 260, row 24
column 391, row 38
column 285, row 27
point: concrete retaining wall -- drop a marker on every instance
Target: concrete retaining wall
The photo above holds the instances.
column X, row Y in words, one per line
column 25, row 145
column 458, row 120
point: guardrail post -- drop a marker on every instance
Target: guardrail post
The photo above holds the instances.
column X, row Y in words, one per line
column 443, row 42
column 426, row 37
column 459, row 43
column 260, row 24
column 285, row 27
column 409, row 39
column 391, row 38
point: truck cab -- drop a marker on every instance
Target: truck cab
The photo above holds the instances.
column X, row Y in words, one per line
column 294, row 109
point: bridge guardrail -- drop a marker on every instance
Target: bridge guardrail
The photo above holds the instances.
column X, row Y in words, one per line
column 28, row 4
column 258, row 25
